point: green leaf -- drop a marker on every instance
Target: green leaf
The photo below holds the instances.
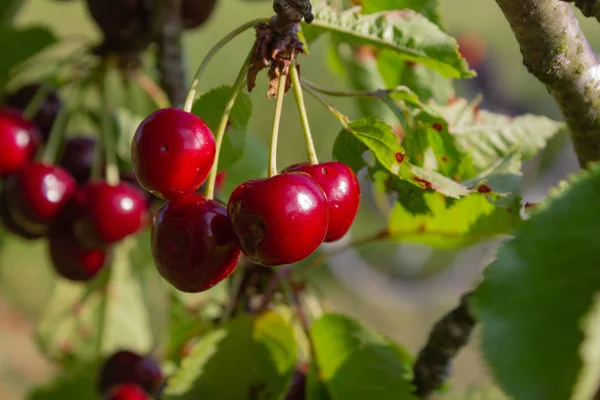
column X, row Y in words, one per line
column 74, row 383
column 405, row 32
column 588, row 382
column 357, row 363
column 487, row 136
column 428, row 8
column 533, row 297
column 8, row 10
column 315, row 387
column 210, row 107
column 252, row 164
column 19, row 44
column 246, row 357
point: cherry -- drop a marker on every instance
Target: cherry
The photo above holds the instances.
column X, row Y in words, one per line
column 71, row 260
column 9, row 223
column 126, row 392
column 46, row 115
column 125, row 366
column 194, row 13
column 114, row 17
column 111, row 213
column 341, row 187
column 130, row 178
column 78, row 157
column 279, row 220
column 172, row 153
column 193, row 243
column 19, row 139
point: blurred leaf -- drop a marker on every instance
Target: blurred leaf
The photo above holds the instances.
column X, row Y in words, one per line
column 357, row 363
column 210, row 107
column 428, row 8
column 252, row 164
column 74, row 383
column 184, row 325
column 126, row 123
column 315, row 387
column 533, row 297
column 588, row 382
column 405, row 32
column 246, row 357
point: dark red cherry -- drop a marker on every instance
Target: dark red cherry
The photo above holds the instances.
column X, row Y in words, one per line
column 111, row 213
column 193, row 243
column 341, row 187
column 128, row 367
column 127, row 391
column 130, row 178
column 8, row 222
column 46, row 115
column 72, row 261
column 194, row 13
column 78, row 157
column 279, row 220
column 19, row 139
column 172, row 153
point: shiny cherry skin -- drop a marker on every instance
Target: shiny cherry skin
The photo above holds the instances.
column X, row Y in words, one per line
column 111, row 213
column 126, row 391
column 279, row 220
column 37, row 194
column 195, row 13
column 172, row 153
column 78, row 157
column 71, row 260
column 341, row 187
column 130, row 178
column 127, row 367
column 48, row 111
column 8, row 222
column 19, row 140
column 193, row 243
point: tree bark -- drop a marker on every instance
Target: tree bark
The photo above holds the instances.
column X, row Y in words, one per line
column 589, row 8
column 557, row 52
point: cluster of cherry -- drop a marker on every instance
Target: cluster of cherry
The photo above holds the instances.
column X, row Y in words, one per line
column 196, row 241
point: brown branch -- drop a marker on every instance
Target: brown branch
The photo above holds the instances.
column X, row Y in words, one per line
column 446, row 339
column 167, row 28
column 557, row 52
column 589, row 8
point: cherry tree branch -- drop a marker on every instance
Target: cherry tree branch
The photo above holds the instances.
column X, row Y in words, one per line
column 589, row 8
column 556, row 51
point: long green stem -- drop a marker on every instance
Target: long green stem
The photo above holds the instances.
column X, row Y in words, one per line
column 235, row 90
column 340, row 117
column 55, row 137
column 34, row 105
column 352, row 93
column 158, row 96
column 112, row 169
column 276, row 120
column 299, row 97
column 189, row 101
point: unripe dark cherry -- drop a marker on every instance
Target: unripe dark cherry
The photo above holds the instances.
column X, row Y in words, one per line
column 8, row 222
column 193, row 243
column 71, row 260
column 172, row 153
column 279, row 220
column 19, row 140
column 126, row 392
column 127, row 367
column 78, row 157
column 341, row 187
column 111, row 213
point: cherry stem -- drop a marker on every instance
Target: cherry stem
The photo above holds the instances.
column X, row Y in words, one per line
column 299, row 97
column 34, row 105
column 112, row 169
column 191, row 96
column 272, row 287
column 55, row 136
column 153, row 91
column 276, row 120
column 235, row 91
column 294, row 301
column 340, row 117
column 353, row 93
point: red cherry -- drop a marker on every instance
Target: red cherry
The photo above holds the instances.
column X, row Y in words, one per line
column 193, row 243
column 126, row 392
column 128, row 367
column 19, row 139
column 78, row 157
column 341, row 187
column 111, row 213
column 172, row 153
column 8, row 222
column 279, row 220
column 71, row 260
column 37, row 194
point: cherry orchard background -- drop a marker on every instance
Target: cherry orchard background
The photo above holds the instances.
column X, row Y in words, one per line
column 387, row 300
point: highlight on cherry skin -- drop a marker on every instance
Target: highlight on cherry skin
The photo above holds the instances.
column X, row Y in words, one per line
column 19, row 140
column 172, row 153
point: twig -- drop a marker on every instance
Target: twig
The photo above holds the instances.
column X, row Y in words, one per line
column 589, row 8
column 272, row 288
column 446, row 339
column 556, row 51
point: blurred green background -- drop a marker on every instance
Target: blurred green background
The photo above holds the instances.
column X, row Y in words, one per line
column 363, row 285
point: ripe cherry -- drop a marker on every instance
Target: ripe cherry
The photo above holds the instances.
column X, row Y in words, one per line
column 8, row 222
column 19, row 139
column 172, row 153
column 194, row 13
column 341, row 187
column 126, row 392
column 46, row 115
column 111, row 213
column 193, row 243
column 71, row 260
column 130, row 178
column 279, row 220
column 78, row 157
column 128, row 367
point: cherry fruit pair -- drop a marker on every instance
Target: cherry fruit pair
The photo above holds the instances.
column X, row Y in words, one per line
column 126, row 375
